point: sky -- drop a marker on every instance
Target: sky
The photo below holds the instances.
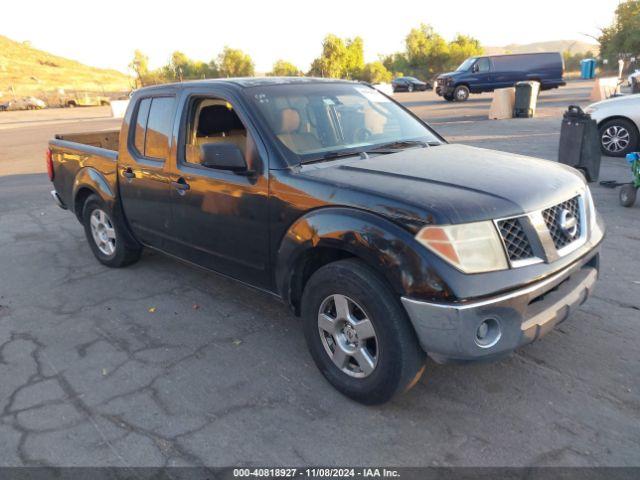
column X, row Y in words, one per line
column 105, row 33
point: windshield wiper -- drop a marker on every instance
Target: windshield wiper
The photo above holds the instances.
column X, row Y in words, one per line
column 336, row 154
column 391, row 147
column 398, row 145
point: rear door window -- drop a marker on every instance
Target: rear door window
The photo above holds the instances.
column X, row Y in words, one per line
column 156, row 144
column 141, row 124
column 153, row 127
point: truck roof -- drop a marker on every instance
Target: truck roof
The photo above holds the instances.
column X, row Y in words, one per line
column 245, row 82
column 515, row 54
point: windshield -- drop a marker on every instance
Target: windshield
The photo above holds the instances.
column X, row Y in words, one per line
column 315, row 121
column 466, row 65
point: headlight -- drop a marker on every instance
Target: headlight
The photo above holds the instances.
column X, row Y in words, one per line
column 470, row 247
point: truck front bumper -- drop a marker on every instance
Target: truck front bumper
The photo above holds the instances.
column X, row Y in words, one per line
column 494, row 327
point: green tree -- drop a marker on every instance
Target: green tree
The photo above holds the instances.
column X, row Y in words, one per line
column 331, row 63
column 235, row 63
column 396, row 63
column 623, row 36
column 340, row 58
column 140, row 65
column 354, row 58
column 461, row 48
column 282, row 68
column 375, row 72
column 426, row 51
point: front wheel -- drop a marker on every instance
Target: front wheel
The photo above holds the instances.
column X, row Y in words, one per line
column 628, row 194
column 358, row 333
column 461, row 93
column 111, row 244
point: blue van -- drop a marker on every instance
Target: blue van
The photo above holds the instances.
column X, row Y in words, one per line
column 485, row 74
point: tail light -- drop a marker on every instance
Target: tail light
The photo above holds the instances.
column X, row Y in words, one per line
column 49, row 157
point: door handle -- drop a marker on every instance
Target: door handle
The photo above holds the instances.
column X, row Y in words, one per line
column 181, row 186
column 128, row 173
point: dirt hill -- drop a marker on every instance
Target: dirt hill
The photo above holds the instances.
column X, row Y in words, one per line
column 35, row 72
column 573, row 46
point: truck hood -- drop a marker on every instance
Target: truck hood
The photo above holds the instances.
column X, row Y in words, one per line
column 449, row 184
column 450, row 74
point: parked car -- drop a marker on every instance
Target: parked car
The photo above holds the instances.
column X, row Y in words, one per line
column 25, row 103
column 349, row 209
column 85, row 99
column 618, row 124
column 409, row 84
column 486, row 73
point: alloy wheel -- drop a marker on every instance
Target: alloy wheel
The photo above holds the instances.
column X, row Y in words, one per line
column 104, row 235
column 615, row 138
column 348, row 336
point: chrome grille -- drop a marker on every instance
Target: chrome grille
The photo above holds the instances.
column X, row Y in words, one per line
column 552, row 219
column 515, row 240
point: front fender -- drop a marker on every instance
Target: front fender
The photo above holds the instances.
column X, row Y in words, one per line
column 91, row 179
column 380, row 243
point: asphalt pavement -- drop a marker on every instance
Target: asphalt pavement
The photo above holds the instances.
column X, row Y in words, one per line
column 163, row 364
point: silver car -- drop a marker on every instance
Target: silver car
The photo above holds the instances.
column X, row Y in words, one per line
column 618, row 124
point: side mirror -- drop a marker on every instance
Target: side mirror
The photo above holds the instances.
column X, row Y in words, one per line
column 223, row 156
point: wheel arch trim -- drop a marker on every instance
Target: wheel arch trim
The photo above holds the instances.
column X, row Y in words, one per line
column 89, row 178
column 383, row 245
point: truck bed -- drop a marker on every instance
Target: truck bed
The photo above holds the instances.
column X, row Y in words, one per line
column 77, row 154
column 108, row 139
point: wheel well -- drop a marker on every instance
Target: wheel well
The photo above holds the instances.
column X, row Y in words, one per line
column 79, row 201
column 618, row 117
column 308, row 263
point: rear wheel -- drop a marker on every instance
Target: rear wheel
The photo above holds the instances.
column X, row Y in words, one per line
column 358, row 333
column 461, row 93
column 111, row 244
column 628, row 194
column 618, row 137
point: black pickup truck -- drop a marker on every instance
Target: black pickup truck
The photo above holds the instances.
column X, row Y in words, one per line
column 389, row 242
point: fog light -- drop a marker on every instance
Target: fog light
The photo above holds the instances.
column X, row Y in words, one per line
column 488, row 333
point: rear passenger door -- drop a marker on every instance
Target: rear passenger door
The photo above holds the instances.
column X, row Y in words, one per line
column 144, row 179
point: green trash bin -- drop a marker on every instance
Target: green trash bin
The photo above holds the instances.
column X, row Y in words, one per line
column 526, row 99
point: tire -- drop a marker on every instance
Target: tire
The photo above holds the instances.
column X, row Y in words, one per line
column 628, row 194
column 449, row 98
column 618, row 137
column 388, row 362
column 461, row 93
column 71, row 105
column 109, row 239
column 410, row 88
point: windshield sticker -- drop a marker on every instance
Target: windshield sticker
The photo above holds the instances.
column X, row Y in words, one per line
column 372, row 95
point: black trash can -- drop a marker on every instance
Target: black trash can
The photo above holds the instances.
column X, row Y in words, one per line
column 526, row 99
column 580, row 143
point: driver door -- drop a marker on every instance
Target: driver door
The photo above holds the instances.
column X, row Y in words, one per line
column 220, row 216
